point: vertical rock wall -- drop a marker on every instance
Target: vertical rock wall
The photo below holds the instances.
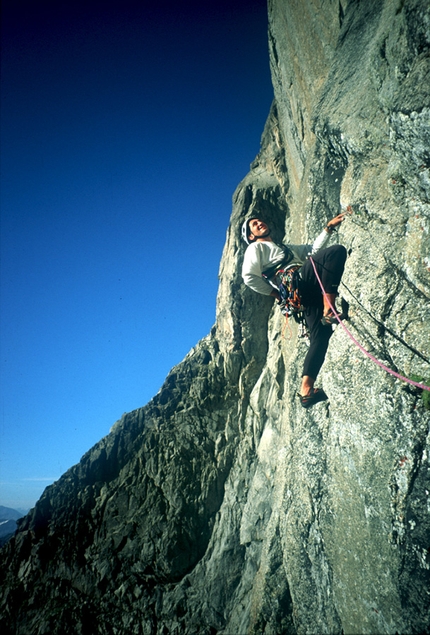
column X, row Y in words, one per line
column 222, row 506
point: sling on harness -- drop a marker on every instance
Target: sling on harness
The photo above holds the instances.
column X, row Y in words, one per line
column 288, row 284
column 285, row 279
column 291, row 302
column 284, row 276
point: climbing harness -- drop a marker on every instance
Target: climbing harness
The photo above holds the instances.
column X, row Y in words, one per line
column 286, row 281
column 291, row 302
column 288, row 285
column 363, row 350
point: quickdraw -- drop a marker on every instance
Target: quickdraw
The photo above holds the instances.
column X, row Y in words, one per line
column 291, row 302
column 287, row 281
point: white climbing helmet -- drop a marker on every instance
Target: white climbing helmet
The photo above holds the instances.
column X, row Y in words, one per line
column 245, row 229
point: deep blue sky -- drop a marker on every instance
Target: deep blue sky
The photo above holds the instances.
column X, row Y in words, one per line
column 125, row 129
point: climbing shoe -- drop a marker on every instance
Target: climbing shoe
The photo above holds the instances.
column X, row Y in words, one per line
column 315, row 396
column 330, row 318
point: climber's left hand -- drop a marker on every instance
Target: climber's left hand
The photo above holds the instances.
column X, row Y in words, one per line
column 334, row 222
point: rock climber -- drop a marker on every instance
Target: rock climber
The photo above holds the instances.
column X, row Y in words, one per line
column 264, row 266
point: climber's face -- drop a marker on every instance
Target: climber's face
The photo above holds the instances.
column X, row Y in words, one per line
column 258, row 230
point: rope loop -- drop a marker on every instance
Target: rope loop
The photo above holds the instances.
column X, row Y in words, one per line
column 362, row 349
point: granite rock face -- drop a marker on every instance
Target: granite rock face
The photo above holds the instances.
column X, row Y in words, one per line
column 222, row 506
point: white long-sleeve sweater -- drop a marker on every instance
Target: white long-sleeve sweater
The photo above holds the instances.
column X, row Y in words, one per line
column 263, row 255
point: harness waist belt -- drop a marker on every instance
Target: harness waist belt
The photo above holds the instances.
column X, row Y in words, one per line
column 281, row 266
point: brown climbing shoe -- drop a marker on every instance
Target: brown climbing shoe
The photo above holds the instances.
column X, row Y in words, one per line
column 315, row 396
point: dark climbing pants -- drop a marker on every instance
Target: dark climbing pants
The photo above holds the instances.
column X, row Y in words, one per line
column 330, row 264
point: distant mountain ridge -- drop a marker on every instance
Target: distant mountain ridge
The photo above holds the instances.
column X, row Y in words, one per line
column 7, row 513
column 8, row 524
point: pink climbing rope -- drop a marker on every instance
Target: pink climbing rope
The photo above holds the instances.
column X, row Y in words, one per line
column 362, row 349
